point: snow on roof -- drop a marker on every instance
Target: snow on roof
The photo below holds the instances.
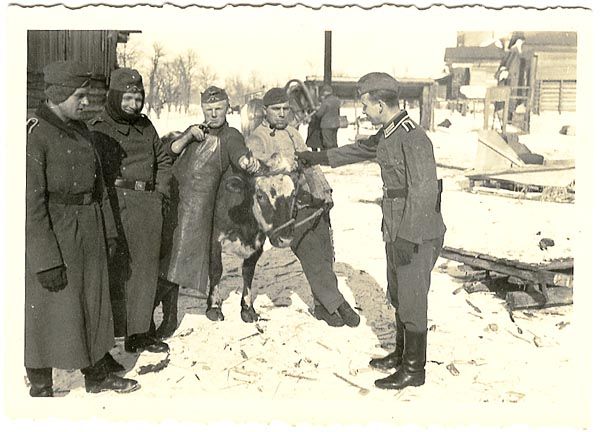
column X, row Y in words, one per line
column 465, row 54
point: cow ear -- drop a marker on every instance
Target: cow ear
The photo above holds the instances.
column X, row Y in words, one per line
column 235, row 184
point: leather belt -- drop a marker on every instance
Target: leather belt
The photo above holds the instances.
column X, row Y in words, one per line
column 72, row 199
column 394, row 193
column 138, row 185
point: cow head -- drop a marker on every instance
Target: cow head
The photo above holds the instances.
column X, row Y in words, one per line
column 275, row 191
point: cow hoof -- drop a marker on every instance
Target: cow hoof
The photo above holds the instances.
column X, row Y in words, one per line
column 215, row 314
column 249, row 315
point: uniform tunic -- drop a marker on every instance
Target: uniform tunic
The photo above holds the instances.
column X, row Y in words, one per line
column 312, row 241
column 198, row 172
column 405, row 155
column 329, row 116
column 134, row 152
column 72, row 328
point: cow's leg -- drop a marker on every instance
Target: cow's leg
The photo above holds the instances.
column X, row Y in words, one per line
column 214, row 301
column 248, row 313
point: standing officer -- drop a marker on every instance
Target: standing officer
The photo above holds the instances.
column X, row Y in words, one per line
column 68, row 320
column 413, row 229
column 137, row 172
column 312, row 241
column 210, row 149
column 329, row 116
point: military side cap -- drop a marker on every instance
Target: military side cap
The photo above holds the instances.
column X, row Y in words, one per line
column 377, row 81
column 67, row 74
column 213, row 94
column 126, row 80
column 274, row 96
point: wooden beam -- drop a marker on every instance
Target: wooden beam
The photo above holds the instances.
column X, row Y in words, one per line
column 554, row 296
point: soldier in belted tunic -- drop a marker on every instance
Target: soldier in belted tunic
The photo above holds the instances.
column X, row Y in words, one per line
column 203, row 153
column 413, row 229
column 137, row 173
column 68, row 319
column 312, row 241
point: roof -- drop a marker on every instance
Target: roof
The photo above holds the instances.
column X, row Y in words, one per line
column 564, row 39
column 468, row 54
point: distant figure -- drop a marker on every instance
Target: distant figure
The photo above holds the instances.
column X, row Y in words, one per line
column 329, row 117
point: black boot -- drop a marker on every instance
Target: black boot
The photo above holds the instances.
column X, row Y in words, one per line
column 333, row 319
column 144, row 342
column 111, row 365
column 97, row 380
column 41, row 382
column 169, row 306
column 393, row 359
column 412, row 370
column 349, row 315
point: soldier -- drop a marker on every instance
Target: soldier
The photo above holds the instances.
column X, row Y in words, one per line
column 413, row 229
column 211, row 149
column 329, row 117
column 68, row 320
column 137, row 173
column 312, row 241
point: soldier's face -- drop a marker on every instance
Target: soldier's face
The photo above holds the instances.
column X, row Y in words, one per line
column 73, row 108
column 215, row 113
column 277, row 115
column 131, row 103
column 372, row 109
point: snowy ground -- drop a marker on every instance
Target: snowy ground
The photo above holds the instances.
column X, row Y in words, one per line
column 482, row 367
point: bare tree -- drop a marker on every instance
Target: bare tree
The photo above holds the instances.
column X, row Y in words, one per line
column 128, row 54
column 241, row 90
column 153, row 98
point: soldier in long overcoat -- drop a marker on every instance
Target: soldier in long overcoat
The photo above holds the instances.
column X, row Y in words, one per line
column 68, row 320
column 413, row 228
column 137, row 174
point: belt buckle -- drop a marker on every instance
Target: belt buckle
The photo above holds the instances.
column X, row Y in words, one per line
column 139, row 185
column 87, row 199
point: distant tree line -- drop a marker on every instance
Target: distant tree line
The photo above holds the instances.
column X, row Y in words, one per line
column 176, row 82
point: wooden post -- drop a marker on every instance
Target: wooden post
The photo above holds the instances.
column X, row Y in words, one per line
column 426, row 107
column 327, row 59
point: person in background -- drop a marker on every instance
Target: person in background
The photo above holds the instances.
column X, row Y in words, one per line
column 312, row 241
column 329, row 117
column 68, row 319
column 413, row 228
column 137, row 172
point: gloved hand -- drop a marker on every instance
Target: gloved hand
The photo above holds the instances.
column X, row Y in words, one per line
column 54, row 279
column 404, row 250
column 111, row 245
column 310, row 158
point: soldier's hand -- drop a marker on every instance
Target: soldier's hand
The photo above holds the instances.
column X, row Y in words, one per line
column 54, row 279
column 249, row 164
column 404, row 250
column 195, row 132
column 111, row 246
column 310, row 158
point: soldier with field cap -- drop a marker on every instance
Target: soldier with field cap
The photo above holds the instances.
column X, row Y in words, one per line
column 311, row 242
column 413, row 229
column 137, row 171
column 68, row 319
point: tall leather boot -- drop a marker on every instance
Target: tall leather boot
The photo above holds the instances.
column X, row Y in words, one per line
column 169, row 306
column 393, row 359
column 41, row 382
column 412, row 369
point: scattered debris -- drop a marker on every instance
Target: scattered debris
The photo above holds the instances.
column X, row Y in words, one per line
column 452, row 369
column 324, row 346
column 446, row 123
column 545, row 243
column 514, row 396
column 457, row 290
column 537, row 341
column 185, row 333
column 299, row 376
column 249, row 336
column 433, row 327
column 567, row 130
column 177, row 382
column 154, row 367
column 561, row 325
column 475, row 286
column 493, row 327
column 362, row 390
column 244, row 355
column 475, row 308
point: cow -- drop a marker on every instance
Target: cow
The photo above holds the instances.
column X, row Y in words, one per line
column 249, row 209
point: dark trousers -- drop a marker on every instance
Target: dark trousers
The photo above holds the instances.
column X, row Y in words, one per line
column 408, row 285
column 313, row 247
column 329, row 138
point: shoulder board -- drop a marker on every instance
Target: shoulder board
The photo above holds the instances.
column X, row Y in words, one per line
column 32, row 122
column 408, row 124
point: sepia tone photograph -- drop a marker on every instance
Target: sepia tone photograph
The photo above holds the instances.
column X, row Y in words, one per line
column 309, row 215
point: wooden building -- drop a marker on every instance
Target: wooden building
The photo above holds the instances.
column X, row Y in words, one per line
column 95, row 48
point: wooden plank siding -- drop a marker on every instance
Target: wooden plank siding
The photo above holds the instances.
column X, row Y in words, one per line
column 95, row 48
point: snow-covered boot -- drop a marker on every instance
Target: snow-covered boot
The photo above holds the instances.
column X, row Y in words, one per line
column 412, row 369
